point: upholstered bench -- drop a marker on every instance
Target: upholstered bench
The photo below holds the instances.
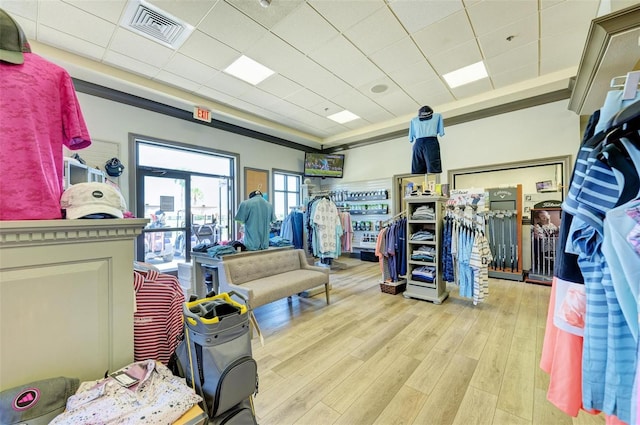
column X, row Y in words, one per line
column 270, row 276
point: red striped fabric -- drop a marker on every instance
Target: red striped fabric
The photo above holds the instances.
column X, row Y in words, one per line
column 158, row 317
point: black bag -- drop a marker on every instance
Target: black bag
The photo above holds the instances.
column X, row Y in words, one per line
column 215, row 355
column 240, row 414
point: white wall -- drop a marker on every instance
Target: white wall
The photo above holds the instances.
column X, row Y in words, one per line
column 108, row 121
column 539, row 132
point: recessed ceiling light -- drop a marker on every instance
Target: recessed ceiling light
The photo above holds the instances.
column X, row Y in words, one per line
column 248, row 70
column 466, row 75
column 379, row 88
column 343, row 117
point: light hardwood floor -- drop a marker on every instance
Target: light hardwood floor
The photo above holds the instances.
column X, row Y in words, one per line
column 376, row 358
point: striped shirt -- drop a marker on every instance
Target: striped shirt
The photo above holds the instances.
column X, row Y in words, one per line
column 608, row 362
column 158, row 317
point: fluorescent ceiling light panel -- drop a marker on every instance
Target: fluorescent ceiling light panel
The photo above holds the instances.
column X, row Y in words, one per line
column 343, row 117
column 466, row 75
column 248, row 70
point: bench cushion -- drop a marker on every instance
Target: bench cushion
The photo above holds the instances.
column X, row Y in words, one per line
column 245, row 269
column 283, row 285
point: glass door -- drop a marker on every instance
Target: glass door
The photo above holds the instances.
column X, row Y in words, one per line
column 162, row 200
column 210, row 213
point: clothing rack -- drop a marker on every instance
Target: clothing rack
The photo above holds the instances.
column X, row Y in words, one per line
column 392, row 219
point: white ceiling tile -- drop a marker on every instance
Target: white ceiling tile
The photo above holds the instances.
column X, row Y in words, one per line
column 230, row 26
column 472, row 89
column 523, row 55
column 377, row 116
column 431, row 92
column 191, row 11
column 366, row 88
column 570, row 15
column 548, row 3
column 28, row 26
column 305, row 29
column 335, row 51
column 414, row 73
column 215, row 95
column 398, row 55
column 326, row 108
column 140, row 48
column 513, row 76
column 357, row 72
column 398, row 103
column 111, row 10
column 276, row 54
column 522, row 32
column 368, row 37
column 359, row 104
column 87, row 27
column 415, row 15
column 259, row 97
column 266, row 16
column 76, row 45
column 190, row 69
column 21, row 8
column 304, row 98
column 127, row 63
column 280, row 86
column 560, row 52
column 314, row 77
column 208, row 50
column 285, row 108
column 177, row 81
column 488, row 15
column 463, row 55
column 468, row 3
column 444, row 35
column 227, row 84
column 344, row 14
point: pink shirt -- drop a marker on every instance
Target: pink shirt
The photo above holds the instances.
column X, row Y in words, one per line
column 39, row 113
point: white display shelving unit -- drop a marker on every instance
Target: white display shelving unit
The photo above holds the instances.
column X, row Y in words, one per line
column 435, row 292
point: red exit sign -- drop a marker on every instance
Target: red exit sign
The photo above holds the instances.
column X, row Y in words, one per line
column 202, row 114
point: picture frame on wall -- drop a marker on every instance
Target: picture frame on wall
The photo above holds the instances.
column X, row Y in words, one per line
column 256, row 179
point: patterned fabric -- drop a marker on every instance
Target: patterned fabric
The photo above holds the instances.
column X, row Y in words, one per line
column 39, row 113
column 479, row 262
column 634, row 235
column 609, row 352
column 158, row 398
column 157, row 321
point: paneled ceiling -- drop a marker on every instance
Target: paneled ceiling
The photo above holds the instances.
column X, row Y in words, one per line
column 328, row 55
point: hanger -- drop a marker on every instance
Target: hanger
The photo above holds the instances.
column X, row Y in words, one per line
column 629, row 84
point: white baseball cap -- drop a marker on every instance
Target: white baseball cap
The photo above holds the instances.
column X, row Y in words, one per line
column 85, row 199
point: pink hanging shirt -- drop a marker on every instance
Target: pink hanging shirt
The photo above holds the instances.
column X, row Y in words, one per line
column 39, row 113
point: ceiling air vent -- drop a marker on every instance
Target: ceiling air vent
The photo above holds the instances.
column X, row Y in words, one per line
column 155, row 24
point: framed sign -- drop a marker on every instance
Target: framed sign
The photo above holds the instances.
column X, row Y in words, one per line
column 255, row 179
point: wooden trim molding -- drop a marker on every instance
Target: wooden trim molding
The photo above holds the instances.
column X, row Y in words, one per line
column 48, row 232
column 594, row 56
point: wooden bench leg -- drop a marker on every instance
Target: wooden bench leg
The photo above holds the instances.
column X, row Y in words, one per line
column 326, row 290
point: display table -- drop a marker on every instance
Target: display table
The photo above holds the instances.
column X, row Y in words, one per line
column 203, row 260
column 66, row 298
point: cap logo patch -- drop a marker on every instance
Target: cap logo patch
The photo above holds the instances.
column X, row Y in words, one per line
column 97, row 194
column 26, row 399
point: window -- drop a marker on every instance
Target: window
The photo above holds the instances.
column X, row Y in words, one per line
column 286, row 192
column 187, row 194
